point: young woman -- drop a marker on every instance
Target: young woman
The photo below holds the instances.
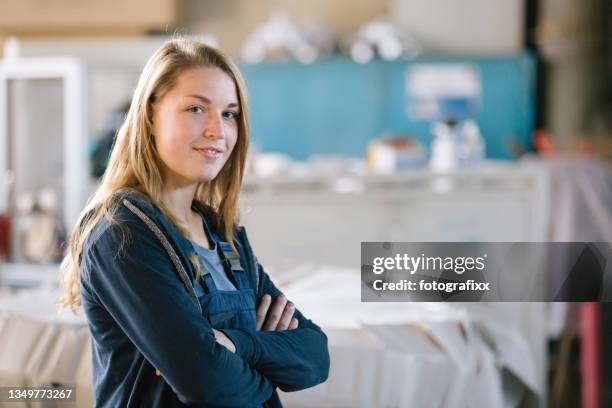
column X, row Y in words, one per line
column 167, row 278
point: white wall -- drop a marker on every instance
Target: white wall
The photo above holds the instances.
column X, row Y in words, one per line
column 463, row 26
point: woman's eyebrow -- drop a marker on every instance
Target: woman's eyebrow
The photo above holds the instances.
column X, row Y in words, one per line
column 207, row 101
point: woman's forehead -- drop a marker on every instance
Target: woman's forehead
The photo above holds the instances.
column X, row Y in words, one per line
column 210, row 84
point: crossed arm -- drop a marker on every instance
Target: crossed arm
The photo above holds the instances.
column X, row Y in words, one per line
column 150, row 305
column 288, row 349
column 278, row 318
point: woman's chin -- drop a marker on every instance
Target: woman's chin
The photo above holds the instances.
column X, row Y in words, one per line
column 207, row 176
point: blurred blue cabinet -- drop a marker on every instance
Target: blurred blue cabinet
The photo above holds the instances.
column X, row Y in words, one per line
column 336, row 106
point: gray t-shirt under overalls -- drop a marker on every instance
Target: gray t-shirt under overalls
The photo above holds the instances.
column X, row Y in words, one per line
column 209, row 259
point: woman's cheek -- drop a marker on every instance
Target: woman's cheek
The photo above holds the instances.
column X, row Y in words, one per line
column 234, row 138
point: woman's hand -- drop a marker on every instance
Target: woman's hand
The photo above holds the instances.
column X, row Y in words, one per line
column 225, row 341
column 279, row 317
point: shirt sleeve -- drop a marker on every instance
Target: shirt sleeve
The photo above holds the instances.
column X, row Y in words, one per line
column 292, row 359
column 136, row 282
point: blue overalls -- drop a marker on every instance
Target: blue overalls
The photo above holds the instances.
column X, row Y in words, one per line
column 227, row 309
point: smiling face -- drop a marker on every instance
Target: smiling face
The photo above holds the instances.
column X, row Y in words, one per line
column 195, row 126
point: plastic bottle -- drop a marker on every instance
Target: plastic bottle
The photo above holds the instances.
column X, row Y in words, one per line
column 444, row 157
column 472, row 151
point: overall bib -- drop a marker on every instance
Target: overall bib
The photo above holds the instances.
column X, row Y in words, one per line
column 227, row 309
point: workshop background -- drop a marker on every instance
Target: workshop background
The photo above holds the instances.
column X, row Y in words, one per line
column 372, row 120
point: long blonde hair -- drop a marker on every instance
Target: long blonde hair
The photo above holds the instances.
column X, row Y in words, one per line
column 134, row 162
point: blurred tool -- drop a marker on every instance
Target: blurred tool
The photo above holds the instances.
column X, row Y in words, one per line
column 383, row 39
column 472, row 144
column 443, row 157
column 41, row 232
column 279, row 36
column 392, row 153
column 455, row 145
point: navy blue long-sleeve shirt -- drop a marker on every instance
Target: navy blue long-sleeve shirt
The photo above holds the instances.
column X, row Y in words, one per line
column 142, row 318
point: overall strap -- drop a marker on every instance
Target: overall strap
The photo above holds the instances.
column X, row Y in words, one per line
column 231, row 261
column 206, row 280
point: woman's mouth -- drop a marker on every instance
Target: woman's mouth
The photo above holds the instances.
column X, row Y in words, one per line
column 210, row 153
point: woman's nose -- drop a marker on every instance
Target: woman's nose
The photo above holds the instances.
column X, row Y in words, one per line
column 214, row 126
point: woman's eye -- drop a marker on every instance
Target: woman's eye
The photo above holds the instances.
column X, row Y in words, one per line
column 230, row 115
column 195, row 109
